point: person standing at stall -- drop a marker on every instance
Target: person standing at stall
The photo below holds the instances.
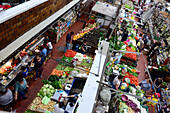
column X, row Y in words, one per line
column 59, row 108
column 39, row 62
column 68, row 41
column 83, row 48
column 6, row 98
column 145, row 85
column 20, row 88
column 157, row 84
column 49, row 47
column 117, row 82
column 45, row 41
column 24, row 72
column 43, row 51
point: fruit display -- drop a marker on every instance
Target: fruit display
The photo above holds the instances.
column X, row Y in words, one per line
column 93, row 37
column 84, row 31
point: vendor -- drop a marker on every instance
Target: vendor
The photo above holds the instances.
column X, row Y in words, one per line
column 117, row 58
column 83, row 48
column 59, row 108
column 24, row 72
column 145, row 85
column 157, row 84
column 20, row 88
column 43, row 51
column 6, row 97
column 117, row 82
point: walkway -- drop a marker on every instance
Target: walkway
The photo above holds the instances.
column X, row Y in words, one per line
column 35, row 86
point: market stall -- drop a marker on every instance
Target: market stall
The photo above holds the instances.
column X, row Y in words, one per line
column 68, row 78
column 61, row 26
column 10, row 70
column 105, row 10
column 92, row 34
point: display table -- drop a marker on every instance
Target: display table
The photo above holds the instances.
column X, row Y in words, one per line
column 90, row 91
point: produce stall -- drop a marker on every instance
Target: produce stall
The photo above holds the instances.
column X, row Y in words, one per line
column 9, row 71
column 61, row 26
column 68, row 78
column 92, row 34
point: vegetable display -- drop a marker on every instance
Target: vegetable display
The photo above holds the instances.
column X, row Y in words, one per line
column 47, row 90
column 37, row 104
column 130, row 55
column 67, row 59
column 60, row 67
column 70, row 53
column 57, row 72
column 133, row 79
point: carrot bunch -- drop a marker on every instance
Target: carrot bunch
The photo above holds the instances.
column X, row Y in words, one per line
column 57, row 72
column 70, row 53
column 133, row 79
column 130, row 55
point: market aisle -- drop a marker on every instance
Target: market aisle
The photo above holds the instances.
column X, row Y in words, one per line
column 35, row 86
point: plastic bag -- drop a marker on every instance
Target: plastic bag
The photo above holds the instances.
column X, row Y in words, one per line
column 105, row 95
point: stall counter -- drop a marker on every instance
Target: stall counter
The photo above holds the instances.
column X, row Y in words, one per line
column 90, row 91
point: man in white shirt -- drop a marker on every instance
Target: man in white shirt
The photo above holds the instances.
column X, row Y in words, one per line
column 50, row 46
column 117, row 82
column 58, row 108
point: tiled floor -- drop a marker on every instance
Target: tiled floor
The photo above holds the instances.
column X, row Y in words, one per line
column 35, row 86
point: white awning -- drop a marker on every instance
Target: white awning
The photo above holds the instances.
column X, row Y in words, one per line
column 8, row 50
column 105, row 9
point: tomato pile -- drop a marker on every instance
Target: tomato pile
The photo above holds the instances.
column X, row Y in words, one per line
column 70, row 53
column 133, row 79
column 130, row 55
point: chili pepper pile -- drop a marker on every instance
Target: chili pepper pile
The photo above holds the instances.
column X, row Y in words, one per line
column 133, row 79
column 130, row 55
column 70, row 53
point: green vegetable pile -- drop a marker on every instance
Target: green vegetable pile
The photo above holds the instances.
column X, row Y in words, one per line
column 68, row 68
column 59, row 67
column 47, row 90
column 118, row 47
column 69, row 59
column 53, row 81
column 163, row 69
column 86, row 64
column 53, row 78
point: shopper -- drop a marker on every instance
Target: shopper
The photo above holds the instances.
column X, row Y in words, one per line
column 24, row 71
column 124, row 35
column 45, row 41
column 39, row 62
column 43, row 51
column 78, row 15
column 117, row 82
column 49, row 47
column 20, row 88
column 59, row 108
column 83, row 48
column 118, row 56
column 157, row 84
column 145, row 85
column 6, row 98
column 68, row 41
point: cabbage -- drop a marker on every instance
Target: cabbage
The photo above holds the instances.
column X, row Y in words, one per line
column 44, row 90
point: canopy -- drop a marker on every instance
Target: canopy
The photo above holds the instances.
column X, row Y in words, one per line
column 105, row 9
